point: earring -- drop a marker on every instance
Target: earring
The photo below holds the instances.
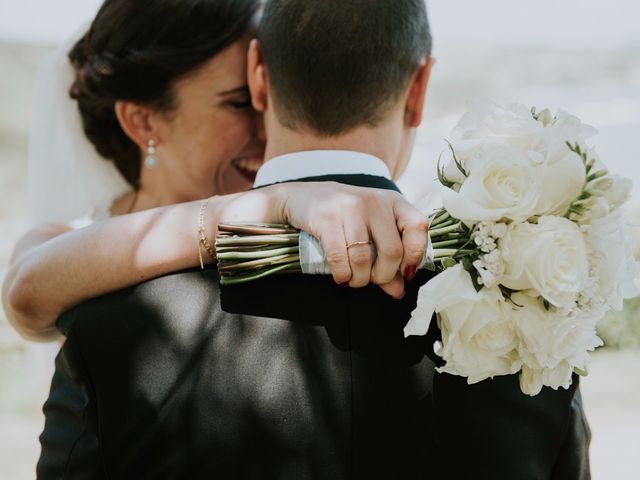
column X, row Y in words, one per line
column 151, row 161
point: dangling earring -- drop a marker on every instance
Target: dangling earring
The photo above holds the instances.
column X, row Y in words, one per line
column 151, row 161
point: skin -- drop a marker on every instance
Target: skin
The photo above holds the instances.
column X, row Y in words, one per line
column 198, row 144
column 201, row 144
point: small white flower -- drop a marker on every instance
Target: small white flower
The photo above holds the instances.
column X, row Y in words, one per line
column 488, row 245
column 484, row 228
column 601, row 186
column 545, row 117
column 487, row 278
column 498, row 230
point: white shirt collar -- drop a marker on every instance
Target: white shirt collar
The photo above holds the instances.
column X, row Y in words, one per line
column 314, row 163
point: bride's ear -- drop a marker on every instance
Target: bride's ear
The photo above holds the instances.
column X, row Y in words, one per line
column 136, row 121
column 257, row 77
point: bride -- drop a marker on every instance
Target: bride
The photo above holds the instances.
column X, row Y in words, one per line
column 163, row 101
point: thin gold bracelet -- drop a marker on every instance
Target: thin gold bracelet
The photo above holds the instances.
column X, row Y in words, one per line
column 203, row 241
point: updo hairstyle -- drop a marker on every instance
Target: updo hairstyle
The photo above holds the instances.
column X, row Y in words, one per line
column 136, row 50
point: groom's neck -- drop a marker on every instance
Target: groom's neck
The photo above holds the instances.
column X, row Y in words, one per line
column 381, row 144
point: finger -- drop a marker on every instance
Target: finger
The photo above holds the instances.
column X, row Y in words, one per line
column 335, row 249
column 388, row 242
column 360, row 256
column 414, row 228
column 395, row 287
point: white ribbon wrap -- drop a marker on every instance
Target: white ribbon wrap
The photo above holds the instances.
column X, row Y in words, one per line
column 314, row 262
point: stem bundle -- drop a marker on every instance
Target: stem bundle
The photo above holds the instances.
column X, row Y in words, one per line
column 248, row 252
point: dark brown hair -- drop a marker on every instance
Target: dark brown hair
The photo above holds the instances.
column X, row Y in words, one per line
column 337, row 64
column 135, row 50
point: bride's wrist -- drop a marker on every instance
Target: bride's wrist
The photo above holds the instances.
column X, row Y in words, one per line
column 280, row 202
column 206, row 236
column 263, row 205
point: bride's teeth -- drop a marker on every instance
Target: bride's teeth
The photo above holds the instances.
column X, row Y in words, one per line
column 249, row 164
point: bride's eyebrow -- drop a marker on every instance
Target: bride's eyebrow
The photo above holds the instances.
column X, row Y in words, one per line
column 233, row 91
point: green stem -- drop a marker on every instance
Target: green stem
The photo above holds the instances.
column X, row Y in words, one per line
column 224, row 267
column 441, row 217
column 449, row 236
column 257, row 254
column 238, row 279
column 444, row 252
column 449, row 252
column 447, row 223
column 448, row 243
column 444, row 230
column 258, row 240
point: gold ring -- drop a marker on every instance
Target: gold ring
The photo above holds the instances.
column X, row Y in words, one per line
column 353, row 244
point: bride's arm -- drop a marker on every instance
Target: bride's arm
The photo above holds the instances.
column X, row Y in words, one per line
column 49, row 275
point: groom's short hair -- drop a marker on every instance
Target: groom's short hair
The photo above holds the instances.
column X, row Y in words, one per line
column 334, row 65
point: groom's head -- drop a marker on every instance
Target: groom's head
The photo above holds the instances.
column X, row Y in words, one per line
column 324, row 69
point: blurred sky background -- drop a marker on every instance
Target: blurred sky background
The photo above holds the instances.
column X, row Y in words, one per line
column 579, row 55
column 552, row 23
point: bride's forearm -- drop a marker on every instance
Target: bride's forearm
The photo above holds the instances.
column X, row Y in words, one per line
column 46, row 279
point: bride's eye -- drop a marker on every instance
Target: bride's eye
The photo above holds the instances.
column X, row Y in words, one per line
column 240, row 104
column 236, row 98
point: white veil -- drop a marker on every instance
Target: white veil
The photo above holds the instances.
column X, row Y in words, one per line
column 67, row 179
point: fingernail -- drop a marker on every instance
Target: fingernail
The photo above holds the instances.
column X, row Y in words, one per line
column 410, row 272
column 400, row 297
column 345, row 285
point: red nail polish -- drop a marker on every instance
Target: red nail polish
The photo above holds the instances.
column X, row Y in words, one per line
column 410, row 272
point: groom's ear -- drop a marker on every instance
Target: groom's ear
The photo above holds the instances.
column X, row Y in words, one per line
column 257, row 77
column 414, row 106
column 136, row 122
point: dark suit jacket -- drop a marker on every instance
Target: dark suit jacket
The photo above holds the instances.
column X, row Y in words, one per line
column 306, row 381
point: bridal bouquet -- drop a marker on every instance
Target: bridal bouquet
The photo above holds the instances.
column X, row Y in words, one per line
column 529, row 245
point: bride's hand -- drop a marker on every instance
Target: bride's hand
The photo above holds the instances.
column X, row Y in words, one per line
column 341, row 215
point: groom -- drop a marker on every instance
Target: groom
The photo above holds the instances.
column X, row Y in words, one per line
column 342, row 85
column 306, row 379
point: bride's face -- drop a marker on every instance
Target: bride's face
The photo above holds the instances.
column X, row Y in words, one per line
column 213, row 142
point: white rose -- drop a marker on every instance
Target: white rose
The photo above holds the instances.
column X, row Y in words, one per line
column 532, row 380
column 561, row 178
column 619, row 192
column 569, row 128
column 549, row 257
column 598, row 208
column 491, row 121
column 478, row 338
column 562, row 173
column 501, row 184
column 451, row 170
column 611, row 255
column 551, row 345
column 548, row 338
